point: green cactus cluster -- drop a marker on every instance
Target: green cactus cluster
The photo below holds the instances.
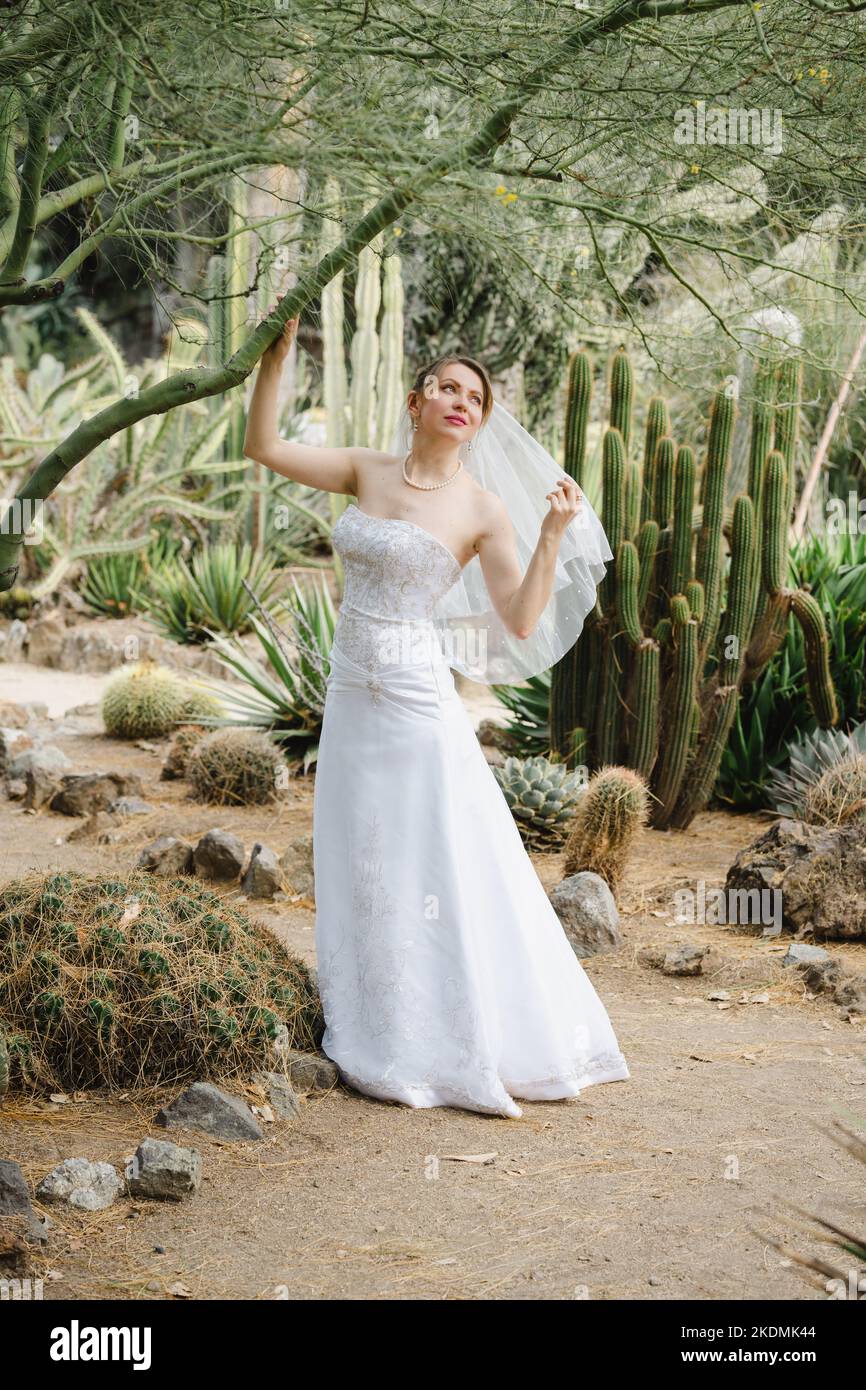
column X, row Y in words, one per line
column 697, row 600
column 362, row 400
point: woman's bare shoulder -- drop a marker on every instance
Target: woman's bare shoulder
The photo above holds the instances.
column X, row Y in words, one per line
column 374, row 463
column 490, row 510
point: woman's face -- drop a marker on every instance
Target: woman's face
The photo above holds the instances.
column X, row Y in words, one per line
column 452, row 402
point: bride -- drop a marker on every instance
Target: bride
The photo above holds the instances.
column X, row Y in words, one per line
column 445, row 975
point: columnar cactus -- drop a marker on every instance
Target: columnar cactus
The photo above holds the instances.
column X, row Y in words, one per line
column 654, row 682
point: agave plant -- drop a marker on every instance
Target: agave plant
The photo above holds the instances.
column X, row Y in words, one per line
column 189, row 600
column 542, row 797
column 285, row 693
column 111, row 582
column 809, row 758
column 528, row 729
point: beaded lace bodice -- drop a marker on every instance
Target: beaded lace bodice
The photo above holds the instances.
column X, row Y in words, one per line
column 395, row 573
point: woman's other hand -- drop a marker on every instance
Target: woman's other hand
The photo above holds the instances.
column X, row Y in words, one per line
column 565, row 502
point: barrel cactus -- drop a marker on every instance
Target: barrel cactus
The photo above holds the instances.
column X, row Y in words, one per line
column 609, row 815
column 141, row 981
column 542, row 797
column 147, row 701
column 838, row 797
column 235, row 767
column 808, row 758
column 697, row 600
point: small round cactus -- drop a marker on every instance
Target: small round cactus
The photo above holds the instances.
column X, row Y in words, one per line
column 147, row 701
column 235, row 767
column 839, row 795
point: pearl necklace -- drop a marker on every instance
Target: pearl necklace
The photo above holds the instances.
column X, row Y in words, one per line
column 429, row 487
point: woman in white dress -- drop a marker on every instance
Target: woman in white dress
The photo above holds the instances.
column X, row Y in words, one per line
column 445, row 975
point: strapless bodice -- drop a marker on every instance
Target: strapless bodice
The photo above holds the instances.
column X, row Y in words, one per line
column 395, row 572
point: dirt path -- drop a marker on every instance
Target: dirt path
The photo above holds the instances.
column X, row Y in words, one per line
column 643, row 1189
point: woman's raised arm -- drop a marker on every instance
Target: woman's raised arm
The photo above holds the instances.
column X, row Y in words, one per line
column 332, row 470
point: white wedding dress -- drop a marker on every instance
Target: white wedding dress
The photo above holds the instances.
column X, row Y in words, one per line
column 445, row 975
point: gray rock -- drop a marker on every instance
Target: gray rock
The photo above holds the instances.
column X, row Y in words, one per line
column 586, row 908
column 15, row 641
column 262, row 878
column 15, row 1200
column 684, row 960
column 490, row 734
column 167, row 857
column 82, row 1184
column 819, row 871
column 847, row 987
column 101, row 827
column 130, row 806
column 45, row 640
column 39, row 787
column 13, row 717
column 16, row 788
column 309, row 1071
column 44, row 758
column 163, row 1171
column 83, row 719
column 203, row 1106
column 85, row 794
column 798, row 953
column 101, row 647
column 296, row 864
column 12, row 742
column 280, row 1094
column 494, row 756
column 218, row 855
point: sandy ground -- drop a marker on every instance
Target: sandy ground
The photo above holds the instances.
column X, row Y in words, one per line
column 59, row 691
column 660, row 1187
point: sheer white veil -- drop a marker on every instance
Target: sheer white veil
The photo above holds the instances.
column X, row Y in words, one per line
column 507, row 460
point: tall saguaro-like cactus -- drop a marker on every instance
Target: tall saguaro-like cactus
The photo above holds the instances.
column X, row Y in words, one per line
column 362, row 407
column 696, row 601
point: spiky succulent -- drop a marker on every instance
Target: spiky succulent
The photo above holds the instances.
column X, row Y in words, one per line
column 808, row 759
column 164, row 960
column 542, row 797
column 839, row 795
column 610, row 814
column 235, row 767
column 147, row 701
